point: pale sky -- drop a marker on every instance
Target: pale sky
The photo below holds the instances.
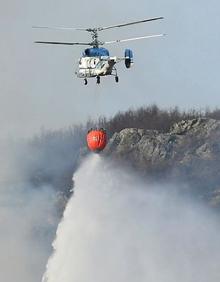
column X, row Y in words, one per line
column 38, row 87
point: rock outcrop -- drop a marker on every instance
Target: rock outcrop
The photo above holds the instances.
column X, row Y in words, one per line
column 189, row 152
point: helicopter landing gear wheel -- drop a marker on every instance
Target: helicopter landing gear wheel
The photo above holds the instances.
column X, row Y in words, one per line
column 85, row 81
column 98, row 80
column 116, row 79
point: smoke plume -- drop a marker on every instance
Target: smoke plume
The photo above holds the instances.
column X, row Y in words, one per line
column 28, row 216
column 117, row 227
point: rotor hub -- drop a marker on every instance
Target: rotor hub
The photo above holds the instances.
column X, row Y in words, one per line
column 95, row 42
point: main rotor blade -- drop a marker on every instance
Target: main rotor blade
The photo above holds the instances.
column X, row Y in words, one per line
column 62, row 43
column 131, row 23
column 134, row 38
column 99, row 28
column 60, row 28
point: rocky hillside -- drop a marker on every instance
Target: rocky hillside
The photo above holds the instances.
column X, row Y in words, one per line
column 189, row 153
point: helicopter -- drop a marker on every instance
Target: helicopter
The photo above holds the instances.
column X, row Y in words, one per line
column 96, row 61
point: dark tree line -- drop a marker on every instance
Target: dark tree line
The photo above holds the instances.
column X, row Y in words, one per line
column 151, row 118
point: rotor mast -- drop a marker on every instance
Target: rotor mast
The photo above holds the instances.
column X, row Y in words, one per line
column 95, row 42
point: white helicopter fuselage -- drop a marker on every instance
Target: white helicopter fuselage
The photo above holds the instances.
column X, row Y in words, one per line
column 95, row 60
column 96, row 66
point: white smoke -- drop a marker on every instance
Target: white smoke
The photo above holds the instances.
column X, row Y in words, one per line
column 28, row 218
column 25, row 232
column 116, row 227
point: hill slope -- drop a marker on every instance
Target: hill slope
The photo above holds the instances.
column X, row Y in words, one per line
column 188, row 153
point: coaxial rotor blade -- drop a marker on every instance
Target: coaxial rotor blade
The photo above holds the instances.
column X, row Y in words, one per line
column 131, row 23
column 134, row 38
column 60, row 28
column 63, row 43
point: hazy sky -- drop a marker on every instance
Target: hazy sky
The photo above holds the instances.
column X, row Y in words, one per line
column 37, row 83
